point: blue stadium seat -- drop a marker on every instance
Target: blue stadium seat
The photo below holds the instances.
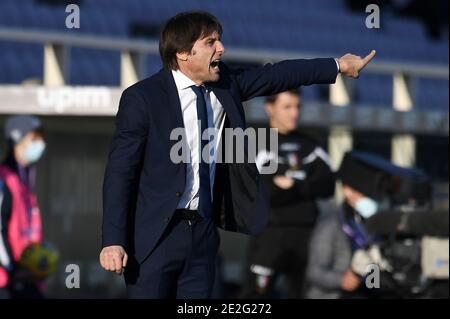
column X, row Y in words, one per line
column 153, row 64
column 94, row 67
column 373, row 90
column 324, row 27
column 432, row 94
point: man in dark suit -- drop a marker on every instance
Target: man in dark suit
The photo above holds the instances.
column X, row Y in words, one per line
column 160, row 216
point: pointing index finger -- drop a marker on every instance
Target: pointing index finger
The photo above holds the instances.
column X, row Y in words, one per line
column 369, row 57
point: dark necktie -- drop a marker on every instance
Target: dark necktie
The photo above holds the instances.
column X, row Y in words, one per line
column 205, row 203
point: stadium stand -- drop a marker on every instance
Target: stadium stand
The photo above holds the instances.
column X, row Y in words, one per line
column 306, row 26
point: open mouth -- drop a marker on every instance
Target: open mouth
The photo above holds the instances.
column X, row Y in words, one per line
column 215, row 64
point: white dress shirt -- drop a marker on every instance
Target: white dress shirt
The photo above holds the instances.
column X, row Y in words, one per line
column 216, row 119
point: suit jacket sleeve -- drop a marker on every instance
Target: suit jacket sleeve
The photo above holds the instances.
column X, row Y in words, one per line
column 322, row 256
column 124, row 166
column 279, row 77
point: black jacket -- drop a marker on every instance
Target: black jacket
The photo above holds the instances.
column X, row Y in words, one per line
column 302, row 158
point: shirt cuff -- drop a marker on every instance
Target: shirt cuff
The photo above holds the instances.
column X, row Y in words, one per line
column 337, row 64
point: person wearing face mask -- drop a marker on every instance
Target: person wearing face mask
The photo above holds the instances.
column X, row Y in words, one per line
column 20, row 221
column 338, row 236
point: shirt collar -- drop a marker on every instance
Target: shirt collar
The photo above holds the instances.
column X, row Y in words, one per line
column 181, row 80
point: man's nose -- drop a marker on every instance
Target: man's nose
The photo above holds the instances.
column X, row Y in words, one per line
column 220, row 47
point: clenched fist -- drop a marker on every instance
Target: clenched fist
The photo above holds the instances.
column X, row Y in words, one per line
column 114, row 258
column 350, row 65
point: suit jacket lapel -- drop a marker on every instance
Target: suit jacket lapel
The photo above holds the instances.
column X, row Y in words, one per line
column 229, row 106
column 174, row 107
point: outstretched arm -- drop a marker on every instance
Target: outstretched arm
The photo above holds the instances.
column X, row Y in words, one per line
column 276, row 78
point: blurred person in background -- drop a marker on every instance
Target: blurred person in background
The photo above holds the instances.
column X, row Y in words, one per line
column 338, row 236
column 20, row 221
column 303, row 176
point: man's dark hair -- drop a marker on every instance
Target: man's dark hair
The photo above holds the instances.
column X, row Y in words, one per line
column 272, row 98
column 180, row 33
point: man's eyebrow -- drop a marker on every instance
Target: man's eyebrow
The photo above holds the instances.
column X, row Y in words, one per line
column 209, row 38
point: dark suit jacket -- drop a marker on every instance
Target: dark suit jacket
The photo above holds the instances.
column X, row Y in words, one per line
column 142, row 186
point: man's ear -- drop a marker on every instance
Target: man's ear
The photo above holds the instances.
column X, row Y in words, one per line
column 183, row 56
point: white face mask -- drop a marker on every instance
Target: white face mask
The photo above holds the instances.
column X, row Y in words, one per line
column 34, row 151
column 366, row 207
